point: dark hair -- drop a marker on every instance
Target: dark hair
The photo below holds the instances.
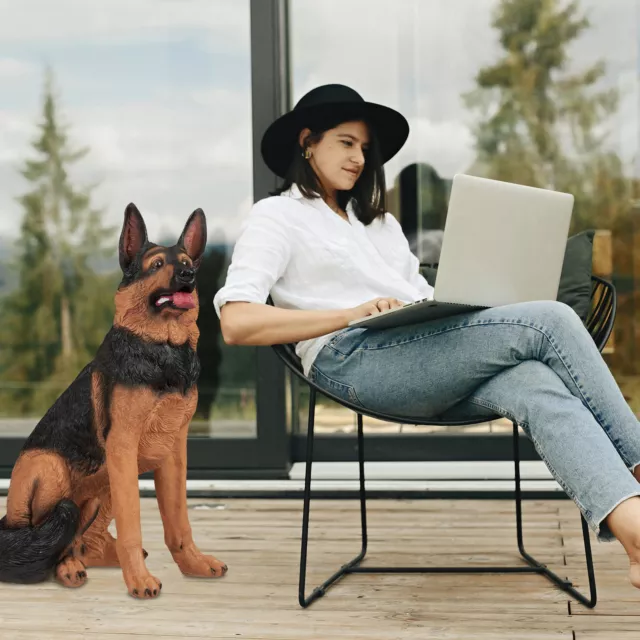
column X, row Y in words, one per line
column 368, row 195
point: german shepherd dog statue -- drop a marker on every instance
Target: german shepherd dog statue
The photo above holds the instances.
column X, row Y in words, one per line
column 127, row 413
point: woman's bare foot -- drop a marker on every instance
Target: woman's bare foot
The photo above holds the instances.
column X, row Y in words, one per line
column 634, row 574
column 624, row 522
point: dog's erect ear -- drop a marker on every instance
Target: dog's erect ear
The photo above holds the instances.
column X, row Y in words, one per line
column 133, row 236
column 194, row 236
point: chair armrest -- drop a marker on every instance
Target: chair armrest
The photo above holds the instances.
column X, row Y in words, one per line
column 602, row 315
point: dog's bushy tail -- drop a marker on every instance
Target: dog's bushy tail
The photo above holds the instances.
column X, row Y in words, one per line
column 29, row 554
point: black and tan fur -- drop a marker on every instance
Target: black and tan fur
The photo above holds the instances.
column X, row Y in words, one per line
column 126, row 413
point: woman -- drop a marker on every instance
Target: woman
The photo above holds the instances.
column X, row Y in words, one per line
column 328, row 253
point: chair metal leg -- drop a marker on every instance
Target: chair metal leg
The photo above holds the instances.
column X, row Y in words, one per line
column 354, row 565
column 363, row 493
column 318, row 592
column 566, row 585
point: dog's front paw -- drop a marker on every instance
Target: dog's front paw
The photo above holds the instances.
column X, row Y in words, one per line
column 194, row 563
column 71, row 572
column 143, row 586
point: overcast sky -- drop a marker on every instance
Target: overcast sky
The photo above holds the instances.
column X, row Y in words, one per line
column 160, row 89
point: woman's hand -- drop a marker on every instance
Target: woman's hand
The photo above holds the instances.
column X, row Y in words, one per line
column 371, row 308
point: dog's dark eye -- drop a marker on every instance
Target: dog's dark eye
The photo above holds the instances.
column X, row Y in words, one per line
column 157, row 263
column 185, row 262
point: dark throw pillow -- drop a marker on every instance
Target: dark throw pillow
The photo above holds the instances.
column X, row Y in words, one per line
column 575, row 279
column 429, row 274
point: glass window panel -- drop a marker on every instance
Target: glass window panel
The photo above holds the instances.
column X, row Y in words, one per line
column 159, row 96
column 443, row 65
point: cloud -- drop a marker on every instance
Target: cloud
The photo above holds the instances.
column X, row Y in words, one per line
column 41, row 21
column 160, row 89
column 11, row 68
column 15, row 129
column 420, row 57
column 172, row 158
column 167, row 118
column 417, row 57
column 447, row 145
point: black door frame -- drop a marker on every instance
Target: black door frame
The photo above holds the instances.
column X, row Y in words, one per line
column 413, row 448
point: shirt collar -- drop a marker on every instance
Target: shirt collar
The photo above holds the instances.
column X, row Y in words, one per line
column 295, row 193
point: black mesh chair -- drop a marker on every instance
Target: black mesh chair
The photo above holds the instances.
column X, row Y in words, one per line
column 599, row 323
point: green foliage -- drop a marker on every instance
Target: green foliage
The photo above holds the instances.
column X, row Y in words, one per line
column 543, row 126
column 53, row 321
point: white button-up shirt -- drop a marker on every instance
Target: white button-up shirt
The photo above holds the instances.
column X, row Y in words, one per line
column 308, row 257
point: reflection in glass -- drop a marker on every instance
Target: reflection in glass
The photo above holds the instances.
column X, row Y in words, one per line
column 506, row 89
column 147, row 103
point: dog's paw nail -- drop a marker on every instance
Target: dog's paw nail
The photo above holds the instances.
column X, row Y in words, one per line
column 213, row 570
column 155, row 592
column 224, row 568
column 147, row 592
column 68, row 576
column 160, row 586
column 145, row 555
column 135, row 592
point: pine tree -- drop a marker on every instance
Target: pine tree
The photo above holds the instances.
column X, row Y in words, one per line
column 61, row 309
column 542, row 126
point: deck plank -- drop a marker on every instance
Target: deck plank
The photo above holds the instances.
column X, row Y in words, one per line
column 260, row 539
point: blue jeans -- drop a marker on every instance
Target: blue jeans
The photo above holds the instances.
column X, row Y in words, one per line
column 533, row 362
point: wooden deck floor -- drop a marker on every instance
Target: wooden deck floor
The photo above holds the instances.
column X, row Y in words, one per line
column 259, row 539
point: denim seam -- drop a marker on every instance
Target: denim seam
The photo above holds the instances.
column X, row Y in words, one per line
column 336, row 337
column 331, row 345
column 587, row 513
column 351, row 392
column 449, row 329
column 525, row 425
column 586, row 399
column 494, row 407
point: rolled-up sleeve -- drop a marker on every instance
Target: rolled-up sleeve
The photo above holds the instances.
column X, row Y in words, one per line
column 259, row 258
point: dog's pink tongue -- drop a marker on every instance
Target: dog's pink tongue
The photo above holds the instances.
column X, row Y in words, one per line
column 183, row 300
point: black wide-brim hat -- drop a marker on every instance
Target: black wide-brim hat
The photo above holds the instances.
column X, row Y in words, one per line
column 323, row 105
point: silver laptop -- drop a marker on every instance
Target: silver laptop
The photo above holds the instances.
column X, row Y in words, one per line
column 503, row 243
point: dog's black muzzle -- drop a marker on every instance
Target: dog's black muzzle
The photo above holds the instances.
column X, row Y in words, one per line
column 185, row 277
